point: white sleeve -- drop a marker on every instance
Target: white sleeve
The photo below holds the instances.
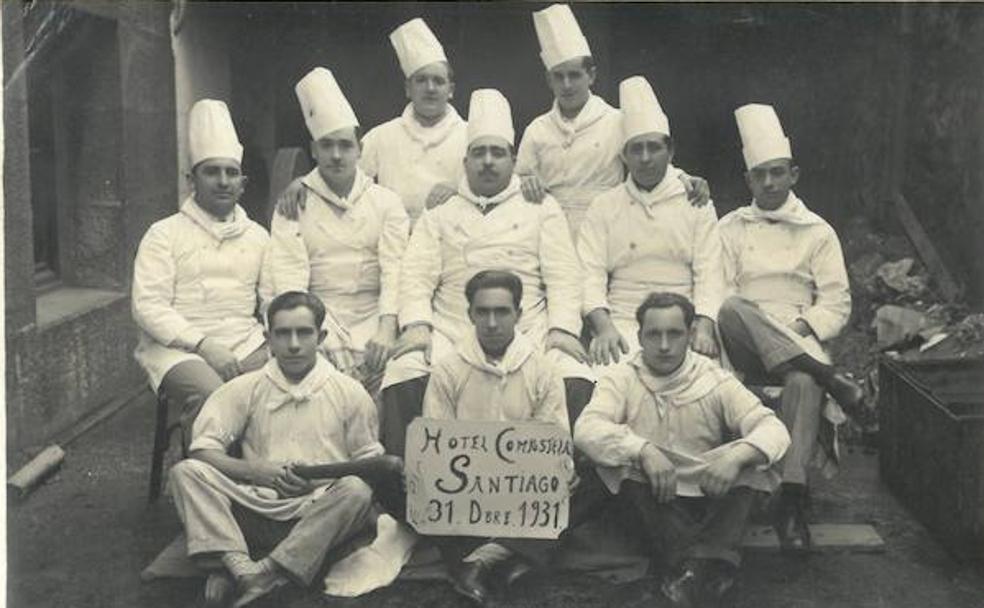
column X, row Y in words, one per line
column 561, row 270
column 420, row 271
column 832, row 302
column 152, row 295
column 601, row 431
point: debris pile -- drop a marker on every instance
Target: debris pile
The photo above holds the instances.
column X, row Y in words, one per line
column 899, row 310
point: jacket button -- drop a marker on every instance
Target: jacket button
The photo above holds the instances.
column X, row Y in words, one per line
column 632, row 245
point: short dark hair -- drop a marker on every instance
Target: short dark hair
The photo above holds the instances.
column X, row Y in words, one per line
column 666, row 300
column 488, row 279
column 290, row 300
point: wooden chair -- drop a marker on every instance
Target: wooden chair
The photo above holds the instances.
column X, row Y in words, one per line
column 162, row 442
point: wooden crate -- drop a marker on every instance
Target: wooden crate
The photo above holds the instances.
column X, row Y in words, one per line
column 931, row 419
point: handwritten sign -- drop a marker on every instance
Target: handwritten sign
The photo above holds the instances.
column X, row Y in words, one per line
column 487, row 478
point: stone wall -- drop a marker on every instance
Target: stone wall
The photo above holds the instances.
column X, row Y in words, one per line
column 111, row 73
column 943, row 177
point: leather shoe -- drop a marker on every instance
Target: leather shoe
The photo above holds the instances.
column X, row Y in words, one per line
column 790, row 523
column 682, row 586
column 468, row 579
column 846, row 392
column 511, row 572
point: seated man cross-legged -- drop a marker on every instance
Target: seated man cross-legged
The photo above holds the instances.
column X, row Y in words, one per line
column 497, row 373
column 657, row 427
column 785, row 265
column 297, row 409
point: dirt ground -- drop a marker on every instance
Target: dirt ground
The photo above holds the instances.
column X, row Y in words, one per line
column 81, row 541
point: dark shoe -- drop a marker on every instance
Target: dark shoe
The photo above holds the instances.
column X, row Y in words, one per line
column 468, row 579
column 846, row 392
column 682, row 585
column 511, row 572
column 716, row 578
column 790, row 522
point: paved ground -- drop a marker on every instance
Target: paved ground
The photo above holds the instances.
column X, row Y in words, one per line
column 81, row 540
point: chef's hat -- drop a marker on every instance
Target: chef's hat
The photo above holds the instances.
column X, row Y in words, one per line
column 641, row 112
column 761, row 133
column 559, row 35
column 323, row 104
column 416, row 46
column 211, row 133
column 489, row 114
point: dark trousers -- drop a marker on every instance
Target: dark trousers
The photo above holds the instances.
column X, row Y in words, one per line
column 699, row 527
column 588, row 499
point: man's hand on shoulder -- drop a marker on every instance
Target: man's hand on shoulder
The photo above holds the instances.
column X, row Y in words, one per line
column 219, row 358
column 533, row 189
column 698, row 190
column 567, row 343
column 660, row 472
column 439, row 195
column 290, row 203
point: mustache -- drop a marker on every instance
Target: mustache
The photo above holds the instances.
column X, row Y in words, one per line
column 488, row 171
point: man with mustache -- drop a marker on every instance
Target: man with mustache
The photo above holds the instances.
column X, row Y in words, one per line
column 347, row 243
column 573, row 151
column 785, row 265
column 197, row 272
column 643, row 236
column 486, row 225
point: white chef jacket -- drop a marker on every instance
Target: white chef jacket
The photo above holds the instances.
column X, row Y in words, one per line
column 453, row 242
column 326, row 418
column 411, row 159
column 790, row 263
column 633, row 243
column 691, row 416
column 522, row 386
column 196, row 277
column 576, row 160
column 345, row 251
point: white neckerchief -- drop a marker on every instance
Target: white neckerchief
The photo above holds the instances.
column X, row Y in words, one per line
column 670, row 186
column 695, row 378
column 301, row 391
column 317, row 184
column 594, row 110
column 433, row 135
column 236, row 223
column 518, row 351
column 465, row 191
column 793, row 211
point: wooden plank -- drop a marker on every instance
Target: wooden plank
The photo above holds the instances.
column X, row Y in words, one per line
column 948, row 286
column 856, row 537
